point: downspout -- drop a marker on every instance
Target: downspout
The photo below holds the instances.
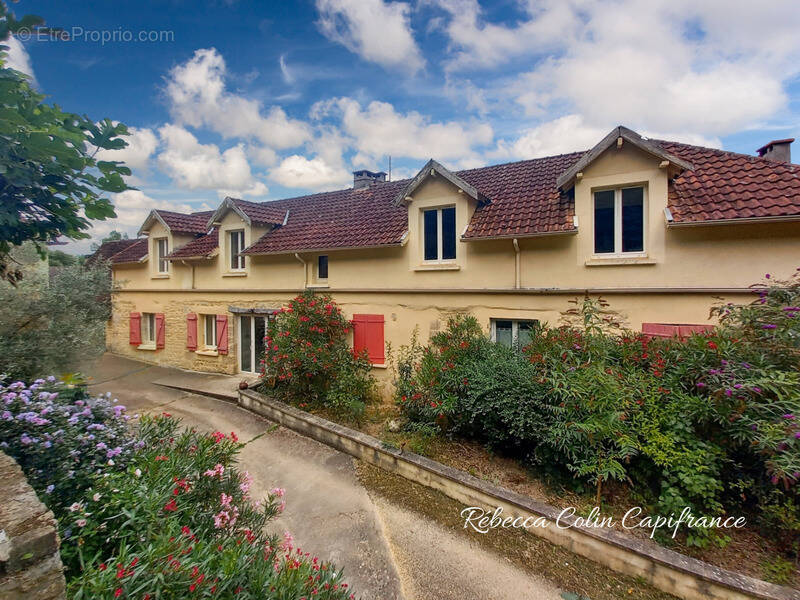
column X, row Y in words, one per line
column 517, row 272
column 305, row 269
column 191, row 266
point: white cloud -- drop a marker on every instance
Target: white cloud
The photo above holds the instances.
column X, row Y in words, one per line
column 379, row 130
column 702, row 68
column 17, row 57
column 142, row 143
column 316, row 174
column 193, row 165
column 197, row 96
column 378, row 31
column 132, row 207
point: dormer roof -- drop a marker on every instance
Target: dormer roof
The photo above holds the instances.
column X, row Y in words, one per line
column 618, row 136
column 177, row 223
column 252, row 213
column 431, row 169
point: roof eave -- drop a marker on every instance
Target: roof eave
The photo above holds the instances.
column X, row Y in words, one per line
column 329, row 249
column 145, row 228
column 433, row 168
column 628, row 135
column 735, row 221
column 227, row 204
column 520, row 235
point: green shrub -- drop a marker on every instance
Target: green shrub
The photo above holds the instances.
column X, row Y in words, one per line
column 62, row 437
column 53, row 325
column 179, row 522
column 308, row 360
column 711, row 423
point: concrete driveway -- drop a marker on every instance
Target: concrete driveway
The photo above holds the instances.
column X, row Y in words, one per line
column 386, row 552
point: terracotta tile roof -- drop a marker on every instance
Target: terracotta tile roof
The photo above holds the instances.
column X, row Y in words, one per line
column 726, row 185
column 109, row 249
column 523, row 198
column 135, row 251
column 200, row 247
column 349, row 218
column 263, row 213
column 196, row 222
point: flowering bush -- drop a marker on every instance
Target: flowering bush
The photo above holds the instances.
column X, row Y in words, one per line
column 179, row 522
column 308, row 359
column 712, row 423
column 62, row 437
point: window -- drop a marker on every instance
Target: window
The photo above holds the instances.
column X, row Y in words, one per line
column 236, row 245
column 162, row 249
column 513, row 333
column 439, row 234
column 619, row 221
column 148, row 328
column 322, row 266
column 210, row 329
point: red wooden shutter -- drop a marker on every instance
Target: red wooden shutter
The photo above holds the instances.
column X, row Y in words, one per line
column 222, row 334
column 368, row 335
column 668, row 330
column 160, row 332
column 136, row 329
column 191, row 331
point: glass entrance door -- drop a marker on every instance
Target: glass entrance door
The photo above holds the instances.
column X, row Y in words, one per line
column 252, row 330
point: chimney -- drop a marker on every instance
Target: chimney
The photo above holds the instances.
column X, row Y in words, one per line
column 777, row 150
column 364, row 178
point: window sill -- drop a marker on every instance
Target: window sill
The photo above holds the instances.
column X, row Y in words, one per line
column 207, row 352
column 380, row 366
column 235, row 274
column 438, row 267
column 160, row 276
column 149, row 347
column 614, row 261
column 317, row 286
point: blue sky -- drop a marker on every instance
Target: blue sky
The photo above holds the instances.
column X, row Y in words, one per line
column 266, row 100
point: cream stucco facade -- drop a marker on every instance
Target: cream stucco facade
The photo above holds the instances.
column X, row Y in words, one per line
column 681, row 272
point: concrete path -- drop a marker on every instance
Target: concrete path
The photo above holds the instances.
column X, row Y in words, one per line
column 386, row 551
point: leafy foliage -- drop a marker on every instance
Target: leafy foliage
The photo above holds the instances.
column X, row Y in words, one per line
column 51, row 325
column 710, row 423
column 51, row 184
column 180, row 521
column 308, row 360
column 62, row 437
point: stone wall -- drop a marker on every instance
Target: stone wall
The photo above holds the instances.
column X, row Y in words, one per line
column 30, row 565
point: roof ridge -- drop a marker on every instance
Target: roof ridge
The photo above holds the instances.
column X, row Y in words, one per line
column 726, row 152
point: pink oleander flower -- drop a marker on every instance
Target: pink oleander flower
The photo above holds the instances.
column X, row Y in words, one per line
column 279, row 492
column 247, row 481
column 288, row 539
column 225, row 500
column 215, row 472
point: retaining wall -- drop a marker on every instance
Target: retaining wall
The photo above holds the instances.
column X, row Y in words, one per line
column 30, row 565
column 665, row 569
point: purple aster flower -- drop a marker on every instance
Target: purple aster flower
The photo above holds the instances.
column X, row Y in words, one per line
column 797, row 435
column 746, row 365
column 101, row 446
column 789, row 417
column 756, row 389
column 769, row 326
column 728, row 393
column 701, row 384
column 737, row 386
column 754, row 427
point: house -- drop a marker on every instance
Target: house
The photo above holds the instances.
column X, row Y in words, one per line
column 660, row 229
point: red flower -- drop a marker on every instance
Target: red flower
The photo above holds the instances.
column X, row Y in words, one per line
column 102, row 566
column 712, row 345
column 171, row 505
column 162, row 457
column 117, row 592
column 234, row 437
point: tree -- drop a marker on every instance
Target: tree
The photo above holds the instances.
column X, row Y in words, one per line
column 53, row 326
column 50, row 182
column 59, row 258
column 114, row 236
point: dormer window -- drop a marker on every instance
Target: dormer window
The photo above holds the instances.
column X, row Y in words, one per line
column 619, row 221
column 439, row 234
column 162, row 249
column 235, row 246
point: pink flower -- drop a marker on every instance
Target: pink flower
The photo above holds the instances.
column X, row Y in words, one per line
column 215, row 472
column 286, row 544
column 226, row 500
column 81, row 522
column 279, row 492
column 247, row 481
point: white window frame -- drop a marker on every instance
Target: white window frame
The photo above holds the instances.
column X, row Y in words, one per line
column 618, row 253
column 240, row 260
column 213, row 319
column 162, row 264
column 514, row 327
column 147, row 329
column 254, row 359
column 439, row 236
